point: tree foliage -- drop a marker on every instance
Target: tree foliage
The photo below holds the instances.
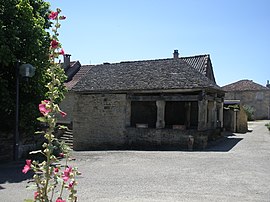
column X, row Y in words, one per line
column 250, row 112
column 24, row 37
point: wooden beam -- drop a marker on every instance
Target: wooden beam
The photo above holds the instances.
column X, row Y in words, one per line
column 163, row 97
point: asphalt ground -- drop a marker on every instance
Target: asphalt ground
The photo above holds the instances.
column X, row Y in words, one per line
column 236, row 168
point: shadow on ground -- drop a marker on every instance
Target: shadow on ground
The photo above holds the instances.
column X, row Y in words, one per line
column 224, row 144
column 12, row 173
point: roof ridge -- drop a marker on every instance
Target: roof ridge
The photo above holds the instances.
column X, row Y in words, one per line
column 150, row 60
column 195, row 56
column 244, row 85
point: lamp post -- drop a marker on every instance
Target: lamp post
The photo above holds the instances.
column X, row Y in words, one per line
column 26, row 71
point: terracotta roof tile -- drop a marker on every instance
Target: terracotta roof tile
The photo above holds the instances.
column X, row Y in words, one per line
column 244, row 85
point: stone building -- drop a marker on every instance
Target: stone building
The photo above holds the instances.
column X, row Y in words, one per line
column 74, row 71
column 235, row 117
column 250, row 94
column 164, row 103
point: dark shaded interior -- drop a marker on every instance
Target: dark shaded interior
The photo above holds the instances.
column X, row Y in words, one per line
column 175, row 113
column 143, row 112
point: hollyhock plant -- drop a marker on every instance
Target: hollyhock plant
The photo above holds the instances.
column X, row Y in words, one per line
column 27, row 166
column 63, row 113
column 60, row 200
column 54, row 44
column 54, row 179
column 36, row 194
column 62, row 17
column 62, row 52
column 71, row 183
column 67, row 174
column 53, row 15
column 44, row 108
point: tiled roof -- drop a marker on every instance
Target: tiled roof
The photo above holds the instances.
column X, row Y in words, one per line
column 244, row 85
column 82, row 71
column 160, row 74
column 202, row 63
column 199, row 62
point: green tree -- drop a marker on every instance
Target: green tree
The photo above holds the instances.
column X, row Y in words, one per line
column 23, row 36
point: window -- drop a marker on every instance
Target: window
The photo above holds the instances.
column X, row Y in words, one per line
column 143, row 112
column 259, row 96
column 175, row 113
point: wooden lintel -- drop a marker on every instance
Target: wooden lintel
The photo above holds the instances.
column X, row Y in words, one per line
column 164, row 97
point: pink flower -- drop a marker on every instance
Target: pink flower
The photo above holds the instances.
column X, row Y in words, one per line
column 54, row 44
column 56, row 170
column 63, row 113
column 53, row 15
column 27, row 167
column 43, row 107
column 62, row 17
column 62, row 52
column 36, row 194
column 67, row 172
column 60, row 200
column 71, row 183
column 61, row 155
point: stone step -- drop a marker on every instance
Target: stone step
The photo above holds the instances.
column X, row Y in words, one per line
column 67, row 141
column 65, row 138
column 68, row 132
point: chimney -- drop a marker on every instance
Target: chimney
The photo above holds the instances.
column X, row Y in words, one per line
column 175, row 54
column 268, row 85
column 66, row 61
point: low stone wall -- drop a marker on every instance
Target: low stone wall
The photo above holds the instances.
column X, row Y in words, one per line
column 167, row 139
column 6, row 147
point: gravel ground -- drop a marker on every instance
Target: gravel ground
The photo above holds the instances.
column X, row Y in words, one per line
column 235, row 169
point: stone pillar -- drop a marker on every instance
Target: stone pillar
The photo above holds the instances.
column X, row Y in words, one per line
column 128, row 113
column 160, row 114
column 188, row 105
column 234, row 120
column 210, row 115
column 202, row 115
column 214, row 114
column 221, row 114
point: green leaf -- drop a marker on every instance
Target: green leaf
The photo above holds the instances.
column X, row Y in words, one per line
column 28, row 200
column 39, row 132
column 31, row 187
column 62, row 127
column 35, row 152
column 42, row 119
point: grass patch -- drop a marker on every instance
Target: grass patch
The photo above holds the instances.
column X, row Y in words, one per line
column 268, row 126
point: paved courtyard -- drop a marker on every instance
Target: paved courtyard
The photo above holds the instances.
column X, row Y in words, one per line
column 235, row 169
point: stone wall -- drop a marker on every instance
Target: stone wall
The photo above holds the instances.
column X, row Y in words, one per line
column 242, row 126
column 235, row 120
column 99, row 121
column 259, row 100
column 67, row 106
column 102, row 121
column 167, row 139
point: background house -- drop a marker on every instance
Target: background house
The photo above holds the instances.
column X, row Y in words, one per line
column 151, row 103
column 250, row 94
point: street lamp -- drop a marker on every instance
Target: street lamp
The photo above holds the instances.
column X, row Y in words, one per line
column 26, row 71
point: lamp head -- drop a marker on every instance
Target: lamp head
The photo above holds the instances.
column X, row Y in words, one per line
column 27, row 70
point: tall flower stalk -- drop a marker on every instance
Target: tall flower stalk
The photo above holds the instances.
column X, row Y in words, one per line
column 53, row 181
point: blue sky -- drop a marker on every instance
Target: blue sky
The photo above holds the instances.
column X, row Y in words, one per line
column 236, row 33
